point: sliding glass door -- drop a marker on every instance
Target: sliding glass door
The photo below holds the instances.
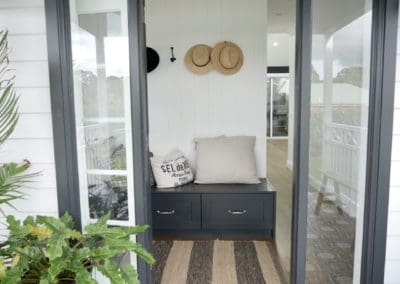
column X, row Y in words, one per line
column 341, row 40
column 100, row 61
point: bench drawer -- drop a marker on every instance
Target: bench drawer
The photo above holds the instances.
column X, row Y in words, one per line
column 176, row 211
column 238, row 211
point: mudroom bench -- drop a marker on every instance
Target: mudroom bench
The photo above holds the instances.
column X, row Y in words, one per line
column 214, row 211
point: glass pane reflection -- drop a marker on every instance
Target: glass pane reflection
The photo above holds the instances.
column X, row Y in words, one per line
column 100, row 57
column 338, row 139
column 108, row 194
column 105, row 146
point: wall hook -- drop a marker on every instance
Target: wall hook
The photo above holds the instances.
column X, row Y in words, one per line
column 172, row 55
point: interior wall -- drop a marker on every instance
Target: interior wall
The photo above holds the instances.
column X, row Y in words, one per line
column 184, row 105
column 33, row 136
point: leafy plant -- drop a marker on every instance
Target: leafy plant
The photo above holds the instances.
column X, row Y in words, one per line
column 11, row 174
column 48, row 250
column 11, row 180
column 8, row 98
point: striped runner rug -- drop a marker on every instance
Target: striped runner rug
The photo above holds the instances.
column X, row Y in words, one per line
column 216, row 262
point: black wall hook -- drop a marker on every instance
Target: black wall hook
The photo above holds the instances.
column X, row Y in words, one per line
column 172, row 55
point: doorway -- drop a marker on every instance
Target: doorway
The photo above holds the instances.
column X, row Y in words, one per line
column 301, row 153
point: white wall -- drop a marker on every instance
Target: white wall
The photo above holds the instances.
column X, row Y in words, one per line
column 183, row 105
column 33, row 137
column 392, row 269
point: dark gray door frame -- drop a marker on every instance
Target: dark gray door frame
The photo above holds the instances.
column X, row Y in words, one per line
column 63, row 118
column 62, row 107
column 302, row 100
column 380, row 131
column 140, row 131
column 381, row 100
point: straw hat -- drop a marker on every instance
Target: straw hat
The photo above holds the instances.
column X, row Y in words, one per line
column 227, row 57
column 197, row 59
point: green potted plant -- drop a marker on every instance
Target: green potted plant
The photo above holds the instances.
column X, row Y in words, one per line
column 48, row 250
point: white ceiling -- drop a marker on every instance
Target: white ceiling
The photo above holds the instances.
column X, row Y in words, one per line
column 329, row 15
column 281, row 16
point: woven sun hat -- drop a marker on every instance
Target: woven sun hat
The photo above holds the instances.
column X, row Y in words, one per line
column 227, row 57
column 198, row 59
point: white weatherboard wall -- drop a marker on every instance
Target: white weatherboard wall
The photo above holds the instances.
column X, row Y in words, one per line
column 33, row 137
column 392, row 269
column 183, row 105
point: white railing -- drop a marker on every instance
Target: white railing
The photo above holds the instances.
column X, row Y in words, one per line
column 100, row 143
column 341, row 155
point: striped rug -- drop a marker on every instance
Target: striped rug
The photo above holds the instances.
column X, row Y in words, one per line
column 216, row 262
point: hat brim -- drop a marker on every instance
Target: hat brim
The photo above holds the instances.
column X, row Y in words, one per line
column 215, row 58
column 193, row 67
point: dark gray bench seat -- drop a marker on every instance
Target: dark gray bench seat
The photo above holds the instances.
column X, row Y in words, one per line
column 214, row 211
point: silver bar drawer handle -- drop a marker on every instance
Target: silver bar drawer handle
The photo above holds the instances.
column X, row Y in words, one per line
column 166, row 212
column 237, row 212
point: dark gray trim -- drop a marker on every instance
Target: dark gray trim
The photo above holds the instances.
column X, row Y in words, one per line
column 62, row 98
column 137, row 48
column 381, row 101
column 62, row 107
column 277, row 69
column 301, row 138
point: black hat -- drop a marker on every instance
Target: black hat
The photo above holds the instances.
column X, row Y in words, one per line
column 152, row 59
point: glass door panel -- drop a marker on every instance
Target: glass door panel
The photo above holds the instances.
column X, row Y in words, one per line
column 338, row 140
column 277, row 106
column 102, row 109
column 280, row 109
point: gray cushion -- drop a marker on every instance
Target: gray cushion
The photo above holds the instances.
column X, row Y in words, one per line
column 226, row 160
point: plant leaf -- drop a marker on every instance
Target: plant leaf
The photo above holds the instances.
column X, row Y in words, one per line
column 67, row 220
column 57, row 240
column 56, row 267
column 84, row 277
column 125, row 245
column 111, row 271
column 129, row 274
column 99, row 226
column 13, row 276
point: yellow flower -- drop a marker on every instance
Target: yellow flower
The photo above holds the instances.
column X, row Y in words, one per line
column 40, row 232
column 15, row 260
column 74, row 234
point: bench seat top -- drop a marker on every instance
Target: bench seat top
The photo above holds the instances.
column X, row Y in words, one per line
column 262, row 187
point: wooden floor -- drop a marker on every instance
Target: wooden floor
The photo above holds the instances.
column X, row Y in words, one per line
column 216, row 262
column 280, row 177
